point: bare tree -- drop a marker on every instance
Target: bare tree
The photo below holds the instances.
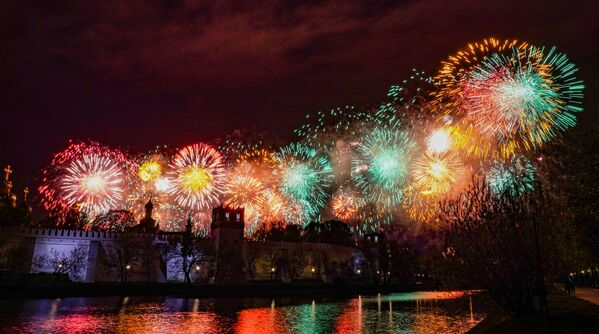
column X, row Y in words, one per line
column 72, row 263
column 113, row 220
column 122, row 256
column 270, row 260
column 295, row 262
column 251, row 256
column 494, row 241
column 15, row 257
column 188, row 252
column 375, row 254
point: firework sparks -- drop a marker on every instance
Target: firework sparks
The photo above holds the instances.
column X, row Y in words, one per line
column 382, row 165
column 149, row 171
column 244, row 190
column 270, row 206
column 523, row 99
column 511, row 177
column 344, row 204
column 304, row 177
column 453, row 70
column 489, row 105
column 436, row 174
column 197, row 177
column 439, row 141
column 421, row 207
column 87, row 177
column 513, row 94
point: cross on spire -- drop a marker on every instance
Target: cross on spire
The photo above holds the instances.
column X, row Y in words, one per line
column 7, row 172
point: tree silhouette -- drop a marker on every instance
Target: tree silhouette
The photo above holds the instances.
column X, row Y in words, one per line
column 497, row 242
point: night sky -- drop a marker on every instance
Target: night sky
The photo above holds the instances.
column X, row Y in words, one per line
column 140, row 73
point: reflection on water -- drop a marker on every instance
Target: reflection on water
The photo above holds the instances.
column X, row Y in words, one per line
column 418, row 312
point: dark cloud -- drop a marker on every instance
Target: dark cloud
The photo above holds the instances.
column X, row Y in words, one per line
column 140, row 73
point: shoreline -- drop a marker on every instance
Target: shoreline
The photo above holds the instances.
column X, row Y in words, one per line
column 568, row 314
column 254, row 289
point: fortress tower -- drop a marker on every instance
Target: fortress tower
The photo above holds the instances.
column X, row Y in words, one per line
column 227, row 235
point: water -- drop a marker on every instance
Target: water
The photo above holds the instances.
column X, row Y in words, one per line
column 418, row 312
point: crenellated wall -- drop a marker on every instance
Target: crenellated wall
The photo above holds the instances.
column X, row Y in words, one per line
column 43, row 242
column 320, row 260
column 264, row 256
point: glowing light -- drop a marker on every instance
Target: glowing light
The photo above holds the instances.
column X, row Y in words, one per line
column 162, row 184
column 94, row 183
column 439, row 141
column 149, row 171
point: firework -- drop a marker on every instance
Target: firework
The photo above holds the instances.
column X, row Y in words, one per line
column 324, row 129
column 456, row 67
column 149, row 171
column 270, row 206
column 304, row 177
column 511, row 177
column 244, row 190
column 488, row 105
column 370, row 217
column 439, row 141
column 197, row 177
column 86, row 176
column 151, row 183
column 259, row 156
column 299, row 212
column 513, row 94
column 469, row 142
column 382, row 165
column 241, row 142
column 523, row 99
column 436, row 174
column 421, row 207
column 408, row 105
column 344, row 204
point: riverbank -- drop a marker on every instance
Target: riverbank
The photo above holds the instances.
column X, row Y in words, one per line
column 254, row 289
column 568, row 314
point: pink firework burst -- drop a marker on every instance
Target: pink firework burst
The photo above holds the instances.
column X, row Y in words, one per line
column 87, row 177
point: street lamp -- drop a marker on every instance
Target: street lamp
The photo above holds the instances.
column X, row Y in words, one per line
column 128, row 267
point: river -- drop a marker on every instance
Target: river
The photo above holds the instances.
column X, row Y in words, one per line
column 416, row 312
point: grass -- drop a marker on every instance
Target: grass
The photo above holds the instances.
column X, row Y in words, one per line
column 568, row 314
